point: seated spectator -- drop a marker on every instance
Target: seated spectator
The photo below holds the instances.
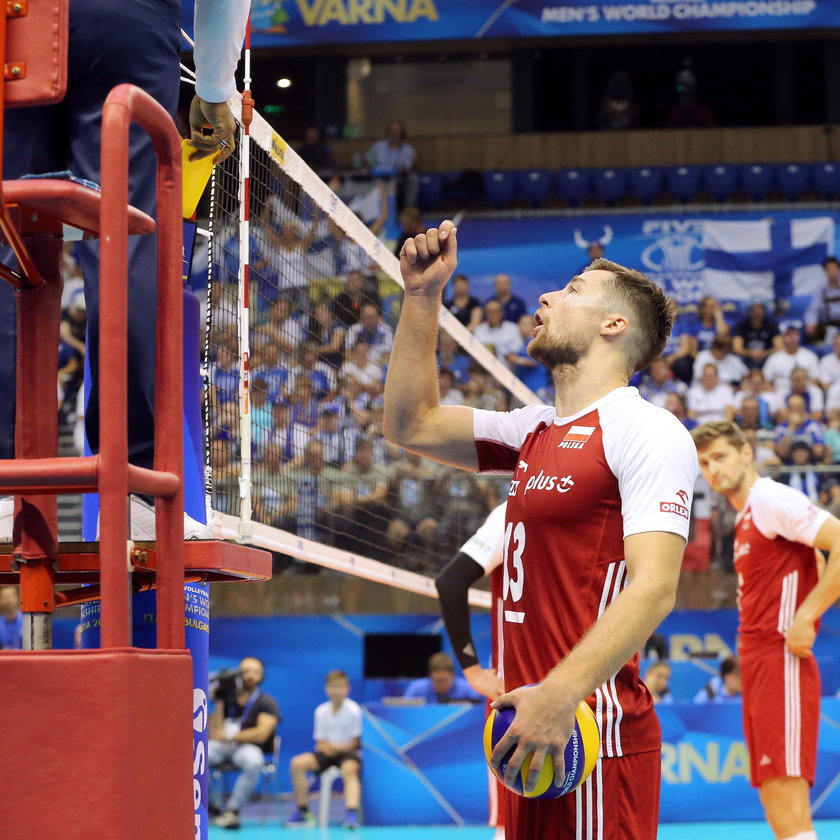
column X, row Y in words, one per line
column 707, row 324
column 224, row 375
column 11, row 619
column 755, row 385
column 822, row 317
column 320, row 374
column 749, row 416
column 797, row 426
column 242, row 729
column 618, row 110
column 326, row 333
column 442, row 685
column 449, row 394
column 372, row 331
column 464, row 306
column 832, row 438
column 394, row 155
column 829, row 366
column 338, row 441
column 675, row 403
column 761, row 441
column 393, row 152
column 659, row 382
column 314, row 151
column 812, row 394
column 679, row 350
column 780, row 364
column 359, row 365
column 804, row 478
column 657, row 677
column 357, row 292
column 282, row 329
column 531, row 373
column 514, row 307
column 338, row 741
column 709, row 399
column 262, row 425
column 756, row 336
column 451, row 357
column 306, row 493
column 725, row 687
column 480, row 391
column 415, row 506
column 359, row 511
column 688, row 111
column 411, row 224
column 498, row 335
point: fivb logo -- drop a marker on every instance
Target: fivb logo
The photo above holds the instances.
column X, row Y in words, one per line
column 576, row 437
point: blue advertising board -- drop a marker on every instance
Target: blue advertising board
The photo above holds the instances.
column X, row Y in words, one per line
column 277, row 23
column 541, row 254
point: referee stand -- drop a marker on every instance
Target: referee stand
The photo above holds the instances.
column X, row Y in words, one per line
column 125, row 714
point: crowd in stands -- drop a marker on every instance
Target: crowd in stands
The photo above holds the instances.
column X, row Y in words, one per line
column 323, row 470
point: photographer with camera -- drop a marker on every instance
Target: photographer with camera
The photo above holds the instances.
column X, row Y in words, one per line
column 242, row 729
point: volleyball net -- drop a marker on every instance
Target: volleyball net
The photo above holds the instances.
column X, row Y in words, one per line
column 303, row 301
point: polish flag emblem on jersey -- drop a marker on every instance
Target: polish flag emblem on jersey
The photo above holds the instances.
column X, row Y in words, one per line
column 576, row 437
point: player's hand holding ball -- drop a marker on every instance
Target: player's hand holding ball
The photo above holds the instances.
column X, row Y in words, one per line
column 557, row 775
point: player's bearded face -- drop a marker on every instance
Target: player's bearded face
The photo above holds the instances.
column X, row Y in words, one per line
column 567, row 323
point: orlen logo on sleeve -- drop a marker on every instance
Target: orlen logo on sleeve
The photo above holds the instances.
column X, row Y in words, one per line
column 676, row 507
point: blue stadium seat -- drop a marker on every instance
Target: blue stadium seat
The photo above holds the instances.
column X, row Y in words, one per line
column 645, row 182
column 499, row 186
column 609, row 184
column 720, row 180
column 533, row 185
column 757, row 179
column 826, row 179
column 574, row 185
column 430, row 189
column 683, row 181
column 793, row 179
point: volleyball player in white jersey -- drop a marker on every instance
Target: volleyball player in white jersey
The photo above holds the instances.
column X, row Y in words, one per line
column 597, row 519
column 481, row 555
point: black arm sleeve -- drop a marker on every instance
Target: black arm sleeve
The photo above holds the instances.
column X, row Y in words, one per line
column 453, row 584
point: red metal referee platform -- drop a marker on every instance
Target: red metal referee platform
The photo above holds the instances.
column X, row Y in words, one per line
column 98, row 743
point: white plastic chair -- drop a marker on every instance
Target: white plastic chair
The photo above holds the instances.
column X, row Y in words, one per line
column 327, row 780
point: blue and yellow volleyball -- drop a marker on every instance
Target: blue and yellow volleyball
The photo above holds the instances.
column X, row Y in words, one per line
column 580, row 755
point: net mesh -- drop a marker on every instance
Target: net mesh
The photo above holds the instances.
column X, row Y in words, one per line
column 317, row 480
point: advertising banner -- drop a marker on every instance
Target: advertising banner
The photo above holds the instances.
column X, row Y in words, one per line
column 732, row 256
column 277, row 23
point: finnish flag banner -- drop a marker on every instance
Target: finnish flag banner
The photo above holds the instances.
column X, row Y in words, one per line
column 767, row 260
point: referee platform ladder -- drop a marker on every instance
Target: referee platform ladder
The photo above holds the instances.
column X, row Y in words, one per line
column 110, row 727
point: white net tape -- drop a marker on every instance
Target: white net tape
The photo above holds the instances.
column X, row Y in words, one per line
column 297, row 461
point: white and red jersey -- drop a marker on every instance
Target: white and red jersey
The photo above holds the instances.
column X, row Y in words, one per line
column 485, row 546
column 774, row 560
column 581, row 484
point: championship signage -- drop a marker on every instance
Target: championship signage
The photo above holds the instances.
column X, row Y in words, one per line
column 277, row 23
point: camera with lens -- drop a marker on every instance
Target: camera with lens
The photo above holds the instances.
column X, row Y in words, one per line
column 225, row 685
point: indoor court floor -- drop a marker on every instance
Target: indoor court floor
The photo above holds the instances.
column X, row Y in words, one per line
column 826, row 830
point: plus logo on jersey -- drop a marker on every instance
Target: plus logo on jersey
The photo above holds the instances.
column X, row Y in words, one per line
column 548, row 482
column 680, row 508
column 576, row 437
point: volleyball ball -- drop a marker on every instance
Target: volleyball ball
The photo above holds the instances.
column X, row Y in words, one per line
column 580, row 754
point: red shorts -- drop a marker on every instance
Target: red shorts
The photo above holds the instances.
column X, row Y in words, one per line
column 781, row 714
column 619, row 801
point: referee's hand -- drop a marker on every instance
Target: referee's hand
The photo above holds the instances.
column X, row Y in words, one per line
column 217, row 117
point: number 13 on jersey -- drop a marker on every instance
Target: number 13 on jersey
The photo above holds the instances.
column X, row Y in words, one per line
column 514, row 575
